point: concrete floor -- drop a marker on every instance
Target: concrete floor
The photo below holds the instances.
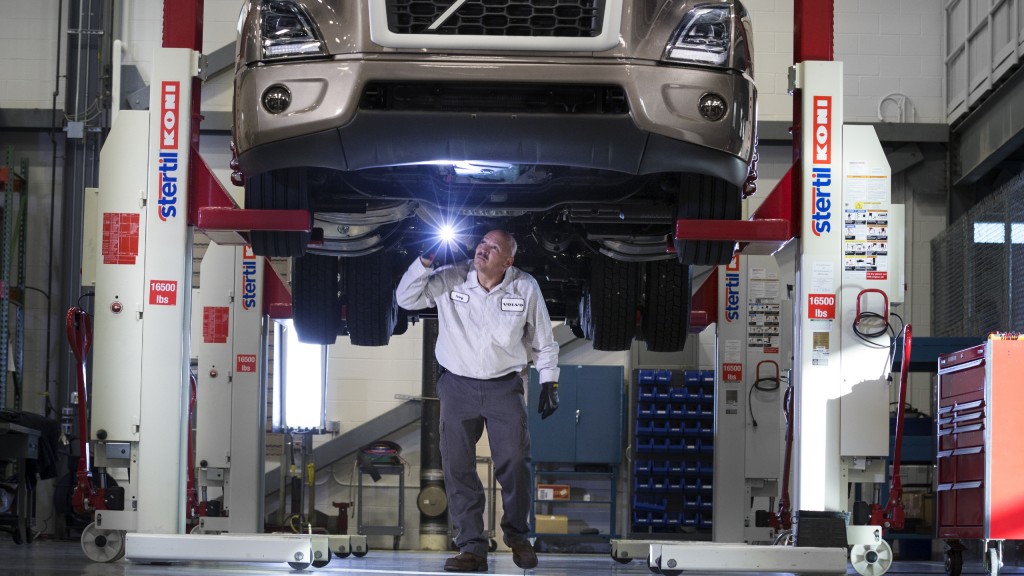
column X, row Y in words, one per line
column 63, row 558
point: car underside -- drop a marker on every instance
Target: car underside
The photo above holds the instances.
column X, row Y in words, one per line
column 603, row 252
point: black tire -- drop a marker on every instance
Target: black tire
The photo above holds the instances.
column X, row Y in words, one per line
column 577, row 329
column 402, row 324
column 707, row 198
column 666, row 317
column 316, row 304
column 371, row 311
column 610, row 305
column 278, row 190
column 954, row 563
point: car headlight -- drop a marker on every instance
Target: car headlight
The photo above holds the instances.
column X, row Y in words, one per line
column 703, row 37
column 286, row 30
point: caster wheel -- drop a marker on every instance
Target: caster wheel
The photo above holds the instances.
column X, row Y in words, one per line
column 199, row 530
column 299, row 565
column 621, row 560
column 343, row 554
column 954, row 562
column 669, row 571
column 871, row 559
column 360, row 554
column 654, row 567
column 492, row 546
column 992, row 562
column 784, row 538
column 323, row 562
column 102, row 545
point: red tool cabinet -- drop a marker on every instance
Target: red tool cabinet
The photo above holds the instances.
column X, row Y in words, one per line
column 980, row 427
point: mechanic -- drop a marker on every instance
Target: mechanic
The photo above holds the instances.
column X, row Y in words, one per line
column 492, row 319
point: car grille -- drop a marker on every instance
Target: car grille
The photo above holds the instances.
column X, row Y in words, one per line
column 495, row 97
column 549, row 18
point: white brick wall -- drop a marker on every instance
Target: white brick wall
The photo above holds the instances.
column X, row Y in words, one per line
column 28, row 53
column 887, row 47
column 890, row 46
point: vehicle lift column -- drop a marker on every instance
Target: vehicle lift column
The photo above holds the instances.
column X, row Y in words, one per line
column 231, row 348
column 234, row 309
column 840, row 380
column 142, row 354
column 753, row 366
column 140, row 360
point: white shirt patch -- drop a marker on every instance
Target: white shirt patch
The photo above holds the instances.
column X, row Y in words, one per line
column 460, row 297
column 513, row 304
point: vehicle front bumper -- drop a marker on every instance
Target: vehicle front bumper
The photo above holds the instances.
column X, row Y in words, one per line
column 664, row 130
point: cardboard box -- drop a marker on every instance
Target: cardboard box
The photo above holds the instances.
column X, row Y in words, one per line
column 552, row 491
column 552, row 524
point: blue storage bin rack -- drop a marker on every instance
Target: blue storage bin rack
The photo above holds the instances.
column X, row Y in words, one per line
column 674, row 439
column 641, row 505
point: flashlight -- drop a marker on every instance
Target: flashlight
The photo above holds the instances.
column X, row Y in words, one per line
column 446, row 234
column 444, row 243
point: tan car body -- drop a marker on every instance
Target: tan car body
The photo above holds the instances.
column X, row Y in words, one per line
column 324, row 117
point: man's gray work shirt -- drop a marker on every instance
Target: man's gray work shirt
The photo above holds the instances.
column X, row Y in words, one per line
column 483, row 334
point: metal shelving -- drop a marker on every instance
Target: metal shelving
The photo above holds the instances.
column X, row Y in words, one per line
column 12, row 275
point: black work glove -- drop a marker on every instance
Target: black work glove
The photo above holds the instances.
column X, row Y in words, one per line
column 548, row 399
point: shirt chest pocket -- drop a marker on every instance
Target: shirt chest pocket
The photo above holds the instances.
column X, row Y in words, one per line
column 510, row 317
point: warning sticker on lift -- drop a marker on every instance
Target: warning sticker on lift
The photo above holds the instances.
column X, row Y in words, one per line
column 120, row 238
column 215, row 324
column 732, row 372
column 163, row 292
column 245, row 363
column 866, row 242
column 821, row 306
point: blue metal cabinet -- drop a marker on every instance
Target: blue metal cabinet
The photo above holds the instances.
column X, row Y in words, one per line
column 588, row 425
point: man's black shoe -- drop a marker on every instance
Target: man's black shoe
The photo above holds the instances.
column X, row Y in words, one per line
column 467, row 562
column 522, row 552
